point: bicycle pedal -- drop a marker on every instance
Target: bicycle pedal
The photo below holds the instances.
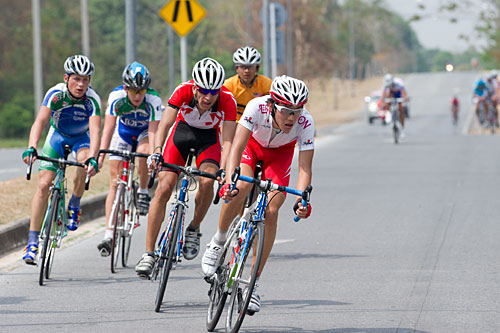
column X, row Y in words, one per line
column 144, row 276
column 250, row 313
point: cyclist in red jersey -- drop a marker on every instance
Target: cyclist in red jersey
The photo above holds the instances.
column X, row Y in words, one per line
column 196, row 111
column 269, row 129
column 454, row 109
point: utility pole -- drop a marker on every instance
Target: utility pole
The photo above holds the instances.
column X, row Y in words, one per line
column 85, row 27
column 249, row 23
column 37, row 54
column 130, row 34
column 265, row 36
column 351, row 47
column 171, row 68
column 289, row 40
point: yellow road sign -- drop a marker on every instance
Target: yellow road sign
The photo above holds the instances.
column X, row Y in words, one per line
column 182, row 15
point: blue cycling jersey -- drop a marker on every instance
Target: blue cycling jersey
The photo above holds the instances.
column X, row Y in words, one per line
column 70, row 117
column 133, row 121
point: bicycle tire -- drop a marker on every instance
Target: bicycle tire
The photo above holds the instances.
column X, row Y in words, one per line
column 57, row 232
column 239, row 301
column 171, row 247
column 117, row 218
column 54, row 207
column 217, row 296
column 395, row 131
column 133, row 214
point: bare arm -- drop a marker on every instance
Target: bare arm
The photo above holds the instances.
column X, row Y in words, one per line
column 228, row 130
column 107, row 134
column 152, row 129
column 42, row 119
column 305, row 176
column 167, row 120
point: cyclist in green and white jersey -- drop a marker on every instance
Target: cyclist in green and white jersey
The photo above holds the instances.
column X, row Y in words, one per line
column 134, row 111
column 74, row 111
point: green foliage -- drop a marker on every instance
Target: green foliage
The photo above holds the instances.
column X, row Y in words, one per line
column 17, row 116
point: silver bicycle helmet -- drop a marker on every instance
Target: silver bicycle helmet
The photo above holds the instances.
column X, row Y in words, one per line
column 79, row 64
column 289, row 91
column 246, row 55
column 136, row 76
column 388, row 80
column 208, row 74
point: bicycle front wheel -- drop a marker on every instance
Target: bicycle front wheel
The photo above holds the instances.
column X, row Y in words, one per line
column 50, row 219
column 244, row 281
column 117, row 218
column 168, row 261
column 132, row 221
column 57, row 234
column 217, row 294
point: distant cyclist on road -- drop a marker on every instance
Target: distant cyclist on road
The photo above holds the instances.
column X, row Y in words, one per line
column 394, row 90
column 269, row 130
column 479, row 95
column 73, row 109
column 138, row 109
column 247, row 84
column 455, row 106
column 197, row 110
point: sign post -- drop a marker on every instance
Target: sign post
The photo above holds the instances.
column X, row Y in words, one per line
column 183, row 16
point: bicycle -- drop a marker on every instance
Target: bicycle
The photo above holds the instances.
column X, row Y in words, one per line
column 124, row 216
column 236, row 275
column 492, row 116
column 54, row 226
column 169, row 248
column 394, row 112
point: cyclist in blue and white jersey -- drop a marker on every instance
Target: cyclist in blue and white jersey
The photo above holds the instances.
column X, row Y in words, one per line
column 479, row 96
column 74, row 111
column 394, row 90
column 134, row 110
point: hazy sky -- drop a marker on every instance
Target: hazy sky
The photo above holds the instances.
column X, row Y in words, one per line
column 434, row 30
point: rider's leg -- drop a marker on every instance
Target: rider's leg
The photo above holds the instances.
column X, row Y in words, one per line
column 40, row 199
column 401, row 115
column 166, row 184
column 205, row 194
column 276, row 200
column 143, row 148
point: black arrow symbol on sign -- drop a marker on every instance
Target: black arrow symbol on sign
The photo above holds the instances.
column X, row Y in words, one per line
column 176, row 10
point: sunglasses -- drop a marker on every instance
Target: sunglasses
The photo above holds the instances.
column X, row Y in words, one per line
column 288, row 111
column 204, row 91
column 137, row 91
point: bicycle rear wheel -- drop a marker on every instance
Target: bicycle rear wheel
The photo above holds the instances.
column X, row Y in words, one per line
column 168, row 261
column 51, row 219
column 244, row 281
column 117, row 218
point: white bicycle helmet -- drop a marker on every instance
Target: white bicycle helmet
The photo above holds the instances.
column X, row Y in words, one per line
column 289, row 91
column 493, row 74
column 388, row 80
column 246, row 55
column 79, row 64
column 208, row 74
column 136, row 76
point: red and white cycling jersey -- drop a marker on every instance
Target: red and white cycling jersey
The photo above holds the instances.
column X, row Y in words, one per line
column 182, row 99
column 257, row 118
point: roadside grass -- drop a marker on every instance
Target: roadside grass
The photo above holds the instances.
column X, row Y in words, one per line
column 13, row 142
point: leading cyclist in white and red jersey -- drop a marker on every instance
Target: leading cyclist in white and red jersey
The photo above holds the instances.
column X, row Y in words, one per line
column 269, row 130
column 197, row 109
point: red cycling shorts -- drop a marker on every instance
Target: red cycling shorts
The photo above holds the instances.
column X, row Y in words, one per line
column 277, row 161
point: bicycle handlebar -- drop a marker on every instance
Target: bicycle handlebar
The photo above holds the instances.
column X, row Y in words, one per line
column 60, row 161
column 266, row 185
column 123, row 153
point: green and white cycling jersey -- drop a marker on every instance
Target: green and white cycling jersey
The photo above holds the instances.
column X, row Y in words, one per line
column 71, row 117
column 133, row 121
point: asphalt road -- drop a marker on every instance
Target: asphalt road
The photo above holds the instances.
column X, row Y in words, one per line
column 12, row 166
column 403, row 238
